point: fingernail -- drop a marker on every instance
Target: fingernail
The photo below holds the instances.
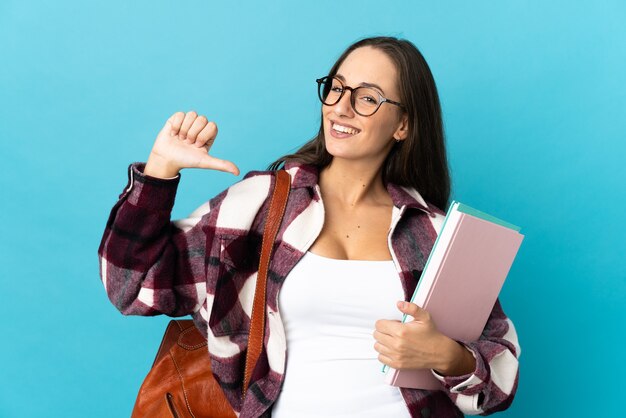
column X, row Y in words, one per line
column 172, row 133
column 402, row 304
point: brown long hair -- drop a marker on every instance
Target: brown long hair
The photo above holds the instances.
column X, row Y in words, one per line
column 420, row 160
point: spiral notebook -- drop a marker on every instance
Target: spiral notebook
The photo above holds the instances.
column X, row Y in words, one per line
column 461, row 280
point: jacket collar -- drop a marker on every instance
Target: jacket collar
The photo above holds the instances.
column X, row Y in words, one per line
column 306, row 175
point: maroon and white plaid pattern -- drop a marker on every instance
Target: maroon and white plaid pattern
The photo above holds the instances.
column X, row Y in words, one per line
column 206, row 265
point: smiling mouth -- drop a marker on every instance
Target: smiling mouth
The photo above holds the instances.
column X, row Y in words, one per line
column 344, row 129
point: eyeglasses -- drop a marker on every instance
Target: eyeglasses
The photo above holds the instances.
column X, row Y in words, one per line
column 364, row 100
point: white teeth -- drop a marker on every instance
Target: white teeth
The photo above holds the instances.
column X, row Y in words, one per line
column 345, row 129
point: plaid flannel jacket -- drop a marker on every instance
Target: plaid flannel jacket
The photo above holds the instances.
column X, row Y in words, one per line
column 206, row 266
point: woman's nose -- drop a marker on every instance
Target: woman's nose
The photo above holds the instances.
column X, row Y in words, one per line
column 344, row 107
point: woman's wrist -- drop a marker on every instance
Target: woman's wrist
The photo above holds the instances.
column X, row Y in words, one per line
column 159, row 168
column 456, row 359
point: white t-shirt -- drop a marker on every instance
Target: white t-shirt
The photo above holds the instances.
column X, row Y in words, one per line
column 329, row 308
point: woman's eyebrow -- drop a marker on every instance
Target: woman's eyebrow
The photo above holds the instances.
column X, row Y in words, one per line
column 364, row 84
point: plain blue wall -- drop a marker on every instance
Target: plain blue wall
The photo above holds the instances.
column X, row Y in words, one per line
column 534, row 100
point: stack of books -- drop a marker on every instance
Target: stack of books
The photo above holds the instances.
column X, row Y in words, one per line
column 461, row 281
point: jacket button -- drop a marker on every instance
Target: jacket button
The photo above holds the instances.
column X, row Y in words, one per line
column 425, row 412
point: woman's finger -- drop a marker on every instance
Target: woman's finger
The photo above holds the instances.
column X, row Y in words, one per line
column 383, row 349
column 197, row 126
column 187, row 122
column 207, row 134
column 388, row 326
column 414, row 311
column 213, row 163
column 388, row 361
column 384, row 339
column 175, row 121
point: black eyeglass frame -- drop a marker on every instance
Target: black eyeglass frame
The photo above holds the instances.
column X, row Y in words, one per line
column 382, row 99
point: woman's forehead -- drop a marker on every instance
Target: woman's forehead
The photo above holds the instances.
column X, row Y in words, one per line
column 368, row 65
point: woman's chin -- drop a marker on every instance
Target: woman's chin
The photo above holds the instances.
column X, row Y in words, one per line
column 339, row 149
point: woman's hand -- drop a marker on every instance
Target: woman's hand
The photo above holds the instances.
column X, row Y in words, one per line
column 419, row 345
column 184, row 142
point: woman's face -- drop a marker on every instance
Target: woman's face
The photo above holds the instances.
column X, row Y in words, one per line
column 368, row 138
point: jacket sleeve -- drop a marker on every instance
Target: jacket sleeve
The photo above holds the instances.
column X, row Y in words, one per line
column 492, row 385
column 148, row 264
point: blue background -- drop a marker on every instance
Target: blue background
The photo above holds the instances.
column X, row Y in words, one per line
column 533, row 96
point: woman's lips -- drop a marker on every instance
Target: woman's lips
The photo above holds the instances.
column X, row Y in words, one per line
column 339, row 130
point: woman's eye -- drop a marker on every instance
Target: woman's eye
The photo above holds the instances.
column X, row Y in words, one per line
column 369, row 99
column 336, row 89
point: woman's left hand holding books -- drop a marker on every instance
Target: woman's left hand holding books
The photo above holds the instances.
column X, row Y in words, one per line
column 418, row 344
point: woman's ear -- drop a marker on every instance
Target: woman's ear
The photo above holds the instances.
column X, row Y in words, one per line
column 403, row 129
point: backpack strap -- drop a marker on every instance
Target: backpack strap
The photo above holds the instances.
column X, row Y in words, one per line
column 257, row 320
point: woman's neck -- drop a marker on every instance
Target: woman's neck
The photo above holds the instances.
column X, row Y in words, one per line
column 353, row 183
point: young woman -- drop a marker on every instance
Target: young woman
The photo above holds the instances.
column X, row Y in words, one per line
column 361, row 219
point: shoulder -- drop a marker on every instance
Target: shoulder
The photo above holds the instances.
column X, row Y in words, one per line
column 245, row 201
column 253, row 186
column 240, row 204
column 256, row 186
column 424, row 213
column 302, row 175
